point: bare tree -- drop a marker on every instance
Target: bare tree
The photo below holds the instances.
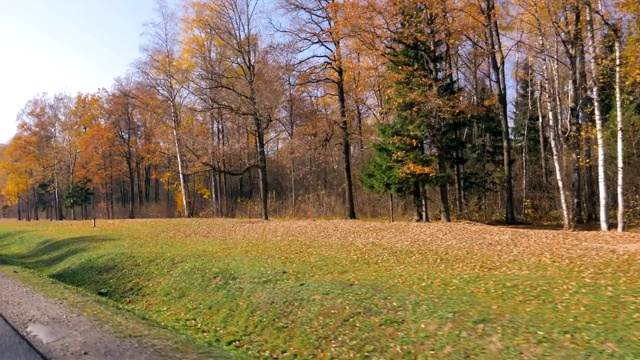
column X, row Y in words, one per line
column 238, row 76
column 316, row 30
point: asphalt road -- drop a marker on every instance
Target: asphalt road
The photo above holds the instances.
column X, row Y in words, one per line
column 13, row 346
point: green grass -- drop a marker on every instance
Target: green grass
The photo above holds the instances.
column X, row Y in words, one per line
column 341, row 289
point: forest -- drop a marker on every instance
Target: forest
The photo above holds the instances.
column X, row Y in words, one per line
column 481, row 110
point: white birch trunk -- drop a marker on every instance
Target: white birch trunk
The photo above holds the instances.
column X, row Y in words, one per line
column 541, row 137
column 558, row 102
column 553, row 129
column 180, row 172
column 620, row 144
column 593, row 65
column 556, row 154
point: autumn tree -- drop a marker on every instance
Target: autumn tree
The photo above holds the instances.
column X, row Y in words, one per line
column 235, row 71
column 317, row 31
column 164, row 72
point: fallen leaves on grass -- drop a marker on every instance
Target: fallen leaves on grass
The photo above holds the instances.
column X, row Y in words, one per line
column 342, row 289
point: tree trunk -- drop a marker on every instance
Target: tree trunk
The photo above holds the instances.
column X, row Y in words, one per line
column 553, row 129
column 132, row 200
column 417, row 196
column 621, row 224
column 574, row 143
column 425, row 203
column 35, row 204
column 360, row 136
column 459, row 185
column 346, row 147
column 140, row 184
column 106, row 200
column 445, row 213
column 498, row 69
column 147, row 183
column 524, row 162
column 541, row 137
column 214, row 194
column 558, row 102
column 111, row 201
column 602, row 185
column 556, row 160
column 391, row 210
column 156, row 190
column 590, row 192
column 262, row 169
column 183, row 191
column 59, row 215
column 293, row 184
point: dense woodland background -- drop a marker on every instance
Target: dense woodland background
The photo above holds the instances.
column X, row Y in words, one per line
column 485, row 110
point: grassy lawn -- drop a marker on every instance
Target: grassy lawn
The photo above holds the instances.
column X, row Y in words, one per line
column 353, row 289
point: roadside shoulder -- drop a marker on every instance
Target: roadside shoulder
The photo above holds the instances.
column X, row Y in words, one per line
column 64, row 323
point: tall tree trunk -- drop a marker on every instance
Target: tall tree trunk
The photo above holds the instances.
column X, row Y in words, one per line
column 553, row 129
column 498, row 70
column 346, row 147
column 445, row 212
column 293, row 183
column 140, row 184
column 391, row 210
column 59, row 215
column 524, row 162
column 590, row 191
column 132, row 200
column 425, row 203
column 213, row 198
column 620, row 149
column 360, row 136
column 221, row 195
column 574, row 143
column 35, row 203
column 541, row 137
column 459, row 185
column 262, row 170
column 555, row 64
column 111, row 200
column 156, row 189
column 183, row 190
column 602, row 181
column 106, row 200
column 147, row 183
column 27, row 212
column 417, row 197
column 556, row 160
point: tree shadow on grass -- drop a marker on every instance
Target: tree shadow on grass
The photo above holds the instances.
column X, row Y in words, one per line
column 7, row 238
column 49, row 253
column 98, row 273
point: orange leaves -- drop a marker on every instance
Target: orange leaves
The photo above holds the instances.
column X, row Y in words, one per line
column 411, row 169
column 14, row 173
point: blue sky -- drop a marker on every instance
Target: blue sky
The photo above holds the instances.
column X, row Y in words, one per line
column 64, row 46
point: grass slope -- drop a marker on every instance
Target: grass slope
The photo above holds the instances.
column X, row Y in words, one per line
column 341, row 289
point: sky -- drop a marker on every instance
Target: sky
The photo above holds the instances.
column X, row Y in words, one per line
column 64, row 46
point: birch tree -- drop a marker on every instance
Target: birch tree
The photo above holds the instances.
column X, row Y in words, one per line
column 553, row 129
column 595, row 88
column 162, row 71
